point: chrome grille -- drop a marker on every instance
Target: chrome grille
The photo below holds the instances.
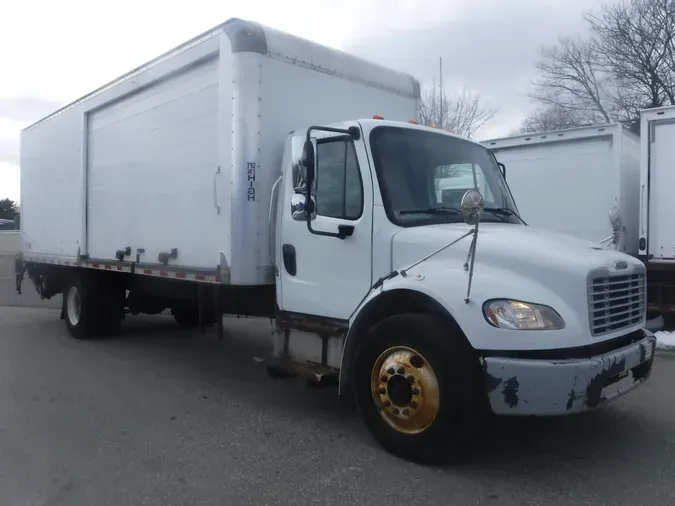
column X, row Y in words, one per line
column 616, row 302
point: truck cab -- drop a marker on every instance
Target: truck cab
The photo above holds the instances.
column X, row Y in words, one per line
column 441, row 306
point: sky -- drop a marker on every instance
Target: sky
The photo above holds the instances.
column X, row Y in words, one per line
column 54, row 52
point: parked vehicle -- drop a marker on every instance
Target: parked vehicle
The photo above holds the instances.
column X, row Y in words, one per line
column 657, row 234
column 605, row 184
column 7, row 224
column 232, row 175
column 581, row 182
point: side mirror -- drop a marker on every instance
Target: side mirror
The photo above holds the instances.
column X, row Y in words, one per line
column 502, row 168
column 472, row 206
column 299, row 210
column 309, row 162
column 615, row 219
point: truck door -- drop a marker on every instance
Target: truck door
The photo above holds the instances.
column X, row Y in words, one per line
column 661, row 183
column 321, row 275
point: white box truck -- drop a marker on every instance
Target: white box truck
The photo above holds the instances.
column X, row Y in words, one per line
column 568, row 181
column 233, row 175
column 657, row 203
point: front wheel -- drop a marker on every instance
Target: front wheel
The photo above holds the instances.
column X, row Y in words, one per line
column 418, row 386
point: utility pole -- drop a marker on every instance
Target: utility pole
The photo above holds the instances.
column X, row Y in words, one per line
column 441, row 122
column 432, row 116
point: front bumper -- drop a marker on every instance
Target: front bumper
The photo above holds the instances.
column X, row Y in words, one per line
column 524, row 387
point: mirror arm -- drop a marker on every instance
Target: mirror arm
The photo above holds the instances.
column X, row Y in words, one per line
column 352, row 131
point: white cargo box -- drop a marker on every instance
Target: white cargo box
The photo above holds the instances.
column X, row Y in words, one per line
column 657, row 184
column 181, row 154
column 567, row 181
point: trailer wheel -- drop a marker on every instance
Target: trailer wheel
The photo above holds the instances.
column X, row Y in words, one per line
column 418, row 387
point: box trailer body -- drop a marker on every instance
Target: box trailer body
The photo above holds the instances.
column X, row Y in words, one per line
column 181, row 154
column 657, row 180
column 233, row 175
column 567, row 181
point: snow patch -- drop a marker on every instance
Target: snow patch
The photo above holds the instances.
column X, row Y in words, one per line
column 665, row 340
column 655, row 324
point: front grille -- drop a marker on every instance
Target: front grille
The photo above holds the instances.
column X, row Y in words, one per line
column 616, row 302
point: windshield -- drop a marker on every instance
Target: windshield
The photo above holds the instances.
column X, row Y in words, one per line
column 423, row 176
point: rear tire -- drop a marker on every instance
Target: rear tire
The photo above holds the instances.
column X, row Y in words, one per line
column 92, row 308
column 418, row 385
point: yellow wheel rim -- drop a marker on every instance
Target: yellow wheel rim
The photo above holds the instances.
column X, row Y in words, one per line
column 405, row 390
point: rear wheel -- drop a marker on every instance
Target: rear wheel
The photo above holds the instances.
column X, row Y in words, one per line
column 92, row 308
column 418, row 386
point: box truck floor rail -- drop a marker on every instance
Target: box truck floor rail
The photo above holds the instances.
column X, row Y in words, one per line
column 233, row 175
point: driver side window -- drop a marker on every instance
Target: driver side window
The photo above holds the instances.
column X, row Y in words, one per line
column 339, row 189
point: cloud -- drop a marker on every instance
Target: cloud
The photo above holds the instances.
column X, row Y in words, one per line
column 9, row 181
column 9, row 151
column 491, row 47
column 27, row 109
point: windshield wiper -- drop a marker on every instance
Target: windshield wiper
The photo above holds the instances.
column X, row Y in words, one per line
column 503, row 211
column 431, row 210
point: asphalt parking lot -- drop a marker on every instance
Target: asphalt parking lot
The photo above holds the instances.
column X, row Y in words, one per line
column 164, row 416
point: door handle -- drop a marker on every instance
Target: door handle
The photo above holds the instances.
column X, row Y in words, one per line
column 288, row 254
column 215, row 192
column 345, row 231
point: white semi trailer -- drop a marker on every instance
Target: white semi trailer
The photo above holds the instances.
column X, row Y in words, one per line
column 232, row 175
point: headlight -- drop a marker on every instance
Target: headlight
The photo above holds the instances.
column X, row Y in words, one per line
column 517, row 315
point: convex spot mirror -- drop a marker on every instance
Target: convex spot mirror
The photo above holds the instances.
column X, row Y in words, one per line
column 615, row 218
column 300, row 209
column 472, row 206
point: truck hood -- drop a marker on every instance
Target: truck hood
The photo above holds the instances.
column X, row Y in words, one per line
column 515, row 262
column 528, row 250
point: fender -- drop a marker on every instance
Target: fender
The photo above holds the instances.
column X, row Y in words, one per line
column 379, row 306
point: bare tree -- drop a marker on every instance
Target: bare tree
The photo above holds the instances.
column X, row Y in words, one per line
column 462, row 112
column 627, row 65
column 550, row 118
column 571, row 80
column 634, row 40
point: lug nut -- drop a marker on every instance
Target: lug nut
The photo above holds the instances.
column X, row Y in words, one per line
column 395, row 411
column 384, row 379
column 387, row 404
column 411, row 379
column 406, row 412
column 383, row 391
column 391, row 370
column 415, row 391
column 400, row 370
column 413, row 405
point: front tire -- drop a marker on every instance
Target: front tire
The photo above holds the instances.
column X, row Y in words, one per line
column 418, row 386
